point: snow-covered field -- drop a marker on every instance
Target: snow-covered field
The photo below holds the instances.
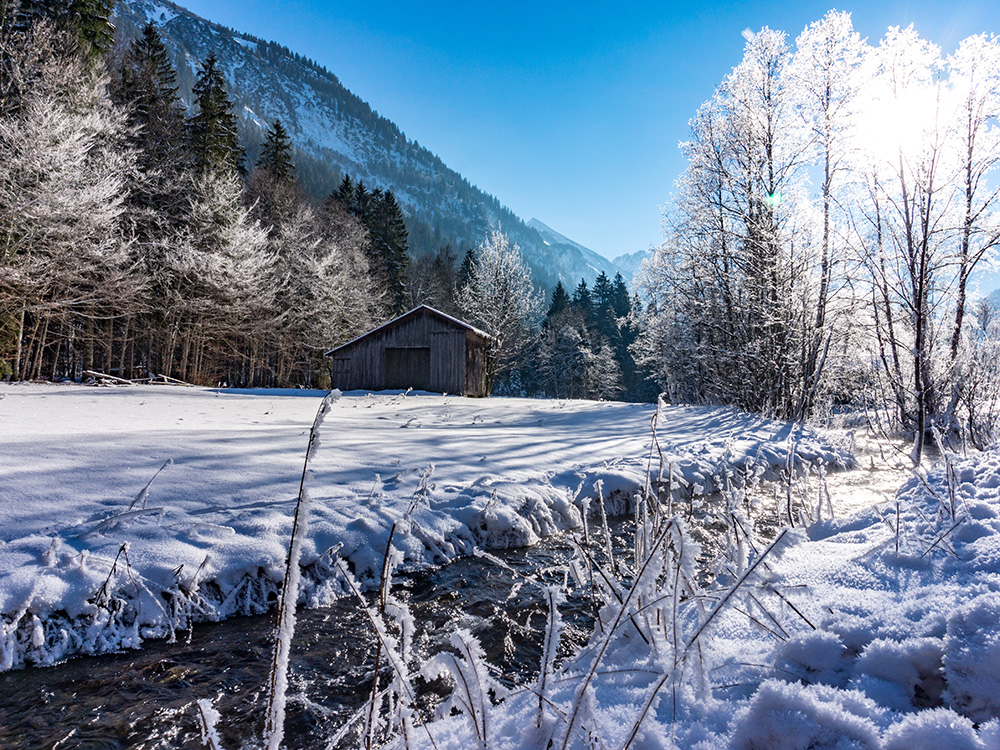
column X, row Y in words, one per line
column 92, row 559
column 876, row 630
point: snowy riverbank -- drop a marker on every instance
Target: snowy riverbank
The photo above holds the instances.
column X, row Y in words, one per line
column 90, row 561
column 876, row 631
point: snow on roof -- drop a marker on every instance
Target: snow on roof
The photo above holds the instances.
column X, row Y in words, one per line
column 429, row 309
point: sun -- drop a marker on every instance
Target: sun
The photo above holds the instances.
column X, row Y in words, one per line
column 893, row 125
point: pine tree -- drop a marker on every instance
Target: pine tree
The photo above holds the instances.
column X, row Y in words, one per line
column 90, row 20
column 146, row 83
column 276, row 155
column 603, row 310
column 583, row 301
column 560, row 302
column 620, row 302
column 213, row 129
column 388, row 231
column 465, row 270
column 360, row 204
column 345, row 193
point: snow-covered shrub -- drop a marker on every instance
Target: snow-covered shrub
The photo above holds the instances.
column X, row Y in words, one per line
column 972, row 658
column 933, row 728
column 890, row 672
column 783, row 716
column 816, row 656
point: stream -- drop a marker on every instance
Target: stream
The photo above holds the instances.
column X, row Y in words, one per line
column 146, row 698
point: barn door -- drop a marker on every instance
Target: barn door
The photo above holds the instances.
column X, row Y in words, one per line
column 448, row 361
column 408, row 367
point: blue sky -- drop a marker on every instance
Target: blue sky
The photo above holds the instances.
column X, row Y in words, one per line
column 568, row 112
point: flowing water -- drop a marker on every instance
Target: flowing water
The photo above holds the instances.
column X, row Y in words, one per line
column 146, row 698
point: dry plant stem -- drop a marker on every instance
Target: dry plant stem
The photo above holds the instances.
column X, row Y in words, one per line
column 393, row 658
column 720, row 605
column 274, row 728
column 207, row 729
column 480, row 691
column 143, row 494
column 645, row 710
column 549, row 647
column 795, row 609
column 943, row 535
column 606, row 642
column 383, row 592
column 609, row 583
column 598, row 485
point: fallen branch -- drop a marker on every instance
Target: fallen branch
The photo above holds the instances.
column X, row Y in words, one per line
column 167, row 380
column 104, row 376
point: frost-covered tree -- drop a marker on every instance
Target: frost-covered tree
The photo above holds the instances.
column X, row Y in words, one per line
column 65, row 266
column 974, row 96
column 217, row 282
column 837, row 200
column 826, row 78
column 500, row 298
column 903, row 221
column 730, row 277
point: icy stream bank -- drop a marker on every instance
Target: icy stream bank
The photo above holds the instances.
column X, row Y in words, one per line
column 93, row 560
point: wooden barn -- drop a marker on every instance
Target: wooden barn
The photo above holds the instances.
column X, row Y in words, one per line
column 423, row 349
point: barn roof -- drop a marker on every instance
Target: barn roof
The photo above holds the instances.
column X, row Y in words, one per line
column 414, row 311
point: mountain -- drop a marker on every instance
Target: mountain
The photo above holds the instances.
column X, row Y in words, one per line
column 336, row 133
column 572, row 257
column 629, row 263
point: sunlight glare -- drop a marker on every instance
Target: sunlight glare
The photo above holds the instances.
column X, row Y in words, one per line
column 894, row 125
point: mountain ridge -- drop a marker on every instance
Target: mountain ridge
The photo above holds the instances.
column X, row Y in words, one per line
column 335, row 132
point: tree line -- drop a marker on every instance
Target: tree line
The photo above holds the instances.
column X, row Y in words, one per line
column 838, row 199
column 137, row 241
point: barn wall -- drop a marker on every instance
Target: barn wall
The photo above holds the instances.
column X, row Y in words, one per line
column 422, row 351
column 475, row 365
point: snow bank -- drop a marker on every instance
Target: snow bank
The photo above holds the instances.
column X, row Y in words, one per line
column 881, row 630
column 98, row 551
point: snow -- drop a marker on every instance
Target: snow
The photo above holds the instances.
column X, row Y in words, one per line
column 96, row 554
column 893, row 642
column 160, row 13
column 874, row 630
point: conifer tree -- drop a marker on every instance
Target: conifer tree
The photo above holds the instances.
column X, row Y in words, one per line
column 213, row 128
column 360, row 203
column 603, row 312
column 388, row 231
column 87, row 20
column 560, row 302
column 90, row 21
column 621, row 304
column 583, row 301
column 465, row 270
column 345, row 193
column 147, row 83
column 276, row 155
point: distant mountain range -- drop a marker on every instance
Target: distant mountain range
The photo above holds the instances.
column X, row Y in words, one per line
column 336, row 133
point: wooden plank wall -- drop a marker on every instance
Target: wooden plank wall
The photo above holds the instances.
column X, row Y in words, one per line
column 426, row 353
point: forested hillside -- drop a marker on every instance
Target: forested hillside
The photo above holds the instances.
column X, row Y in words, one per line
column 335, row 134
column 143, row 239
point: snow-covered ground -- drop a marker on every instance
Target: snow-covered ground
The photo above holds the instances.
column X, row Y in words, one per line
column 92, row 559
column 876, row 631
